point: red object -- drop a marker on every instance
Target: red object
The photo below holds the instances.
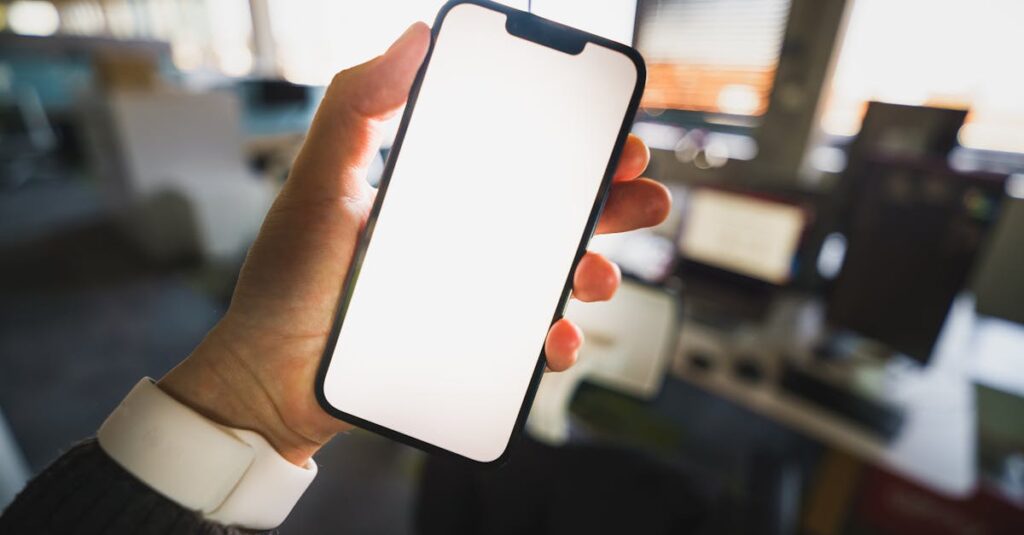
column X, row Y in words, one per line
column 893, row 505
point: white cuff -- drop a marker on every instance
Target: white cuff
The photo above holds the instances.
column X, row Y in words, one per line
column 231, row 476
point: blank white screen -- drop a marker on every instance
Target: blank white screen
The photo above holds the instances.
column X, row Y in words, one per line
column 496, row 177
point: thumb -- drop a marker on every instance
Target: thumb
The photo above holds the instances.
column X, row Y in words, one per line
column 343, row 137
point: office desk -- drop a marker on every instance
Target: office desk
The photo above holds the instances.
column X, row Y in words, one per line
column 936, row 445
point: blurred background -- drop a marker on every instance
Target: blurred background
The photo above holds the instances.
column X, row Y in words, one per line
column 826, row 337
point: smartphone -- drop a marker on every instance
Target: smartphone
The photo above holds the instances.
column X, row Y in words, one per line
column 493, row 187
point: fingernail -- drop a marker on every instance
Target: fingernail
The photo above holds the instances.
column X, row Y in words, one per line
column 405, row 35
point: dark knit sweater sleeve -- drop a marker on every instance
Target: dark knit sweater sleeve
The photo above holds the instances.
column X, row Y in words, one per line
column 85, row 491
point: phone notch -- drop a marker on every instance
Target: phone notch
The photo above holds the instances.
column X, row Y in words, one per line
column 545, row 33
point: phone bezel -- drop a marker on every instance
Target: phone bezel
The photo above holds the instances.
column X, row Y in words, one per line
column 527, row 24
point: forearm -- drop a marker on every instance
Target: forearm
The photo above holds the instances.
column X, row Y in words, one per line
column 85, row 491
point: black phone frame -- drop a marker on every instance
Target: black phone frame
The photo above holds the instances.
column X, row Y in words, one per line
column 544, row 32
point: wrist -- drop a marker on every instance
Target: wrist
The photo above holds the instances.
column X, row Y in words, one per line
column 218, row 383
column 229, row 475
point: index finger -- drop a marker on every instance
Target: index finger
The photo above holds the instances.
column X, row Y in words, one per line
column 633, row 160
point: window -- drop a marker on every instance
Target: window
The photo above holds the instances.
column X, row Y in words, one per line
column 947, row 53
column 715, row 56
column 210, row 35
column 316, row 38
column 313, row 39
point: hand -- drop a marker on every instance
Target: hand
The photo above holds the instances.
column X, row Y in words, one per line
column 256, row 368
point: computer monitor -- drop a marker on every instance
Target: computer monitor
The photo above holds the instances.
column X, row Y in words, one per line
column 999, row 279
column 904, row 131
column 892, row 131
column 915, row 230
column 752, row 236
